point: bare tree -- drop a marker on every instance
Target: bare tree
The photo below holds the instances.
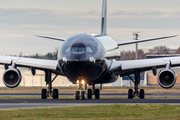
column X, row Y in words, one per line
column 55, row 53
column 20, row 55
column 178, row 51
column 126, row 55
column 141, row 55
column 161, row 50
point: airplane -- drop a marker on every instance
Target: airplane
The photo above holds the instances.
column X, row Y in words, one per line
column 81, row 59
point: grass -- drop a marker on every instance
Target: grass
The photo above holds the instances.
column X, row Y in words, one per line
column 98, row 112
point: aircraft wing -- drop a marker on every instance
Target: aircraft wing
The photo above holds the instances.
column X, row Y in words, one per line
column 144, row 40
column 40, row 64
column 125, row 68
column 50, row 37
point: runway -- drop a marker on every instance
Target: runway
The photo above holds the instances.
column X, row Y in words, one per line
column 102, row 94
column 39, row 103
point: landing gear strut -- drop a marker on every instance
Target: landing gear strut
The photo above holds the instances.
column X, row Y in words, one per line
column 49, row 92
column 136, row 93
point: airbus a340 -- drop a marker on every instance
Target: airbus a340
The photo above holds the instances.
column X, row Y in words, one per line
column 81, row 59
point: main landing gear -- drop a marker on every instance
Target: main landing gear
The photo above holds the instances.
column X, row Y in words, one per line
column 93, row 91
column 49, row 92
column 136, row 93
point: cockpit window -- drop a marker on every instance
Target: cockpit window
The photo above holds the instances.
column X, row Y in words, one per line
column 79, row 49
column 68, row 49
column 74, row 49
column 89, row 49
column 82, row 49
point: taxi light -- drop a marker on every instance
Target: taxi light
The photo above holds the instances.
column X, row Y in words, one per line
column 77, row 82
column 83, row 82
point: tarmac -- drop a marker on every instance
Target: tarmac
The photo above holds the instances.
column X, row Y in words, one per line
column 40, row 103
column 102, row 94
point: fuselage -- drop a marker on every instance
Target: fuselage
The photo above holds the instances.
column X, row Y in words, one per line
column 82, row 56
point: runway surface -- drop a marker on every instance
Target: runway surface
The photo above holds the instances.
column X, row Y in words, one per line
column 102, row 94
column 38, row 103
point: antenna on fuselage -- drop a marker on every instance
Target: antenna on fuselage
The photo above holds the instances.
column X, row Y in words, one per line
column 104, row 18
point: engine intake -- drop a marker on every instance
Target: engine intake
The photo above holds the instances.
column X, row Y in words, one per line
column 12, row 77
column 167, row 78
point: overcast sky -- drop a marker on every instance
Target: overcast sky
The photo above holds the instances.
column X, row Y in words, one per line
column 20, row 20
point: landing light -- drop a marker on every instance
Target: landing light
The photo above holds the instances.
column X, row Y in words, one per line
column 77, row 82
column 82, row 82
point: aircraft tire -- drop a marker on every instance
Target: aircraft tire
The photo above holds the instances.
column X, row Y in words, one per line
column 44, row 94
column 141, row 94
column 83, row 95
column 55, row 93
column 89, row 94
column 77, row 95
column 97, row 95
column 130, row 94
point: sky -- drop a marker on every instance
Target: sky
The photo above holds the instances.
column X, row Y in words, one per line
column 21, row 20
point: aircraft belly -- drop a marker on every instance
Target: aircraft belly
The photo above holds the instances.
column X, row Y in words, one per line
column 85, row 70
column 106, row 77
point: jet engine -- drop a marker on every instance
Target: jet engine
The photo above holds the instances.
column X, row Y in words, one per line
column 167, row 78
column 12, row 77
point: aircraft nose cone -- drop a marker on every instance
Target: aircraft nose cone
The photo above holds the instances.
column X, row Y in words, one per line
column 77, row 56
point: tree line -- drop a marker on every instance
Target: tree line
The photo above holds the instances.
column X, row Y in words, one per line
column 125, row 55
column 157, row 50
column 49, row 55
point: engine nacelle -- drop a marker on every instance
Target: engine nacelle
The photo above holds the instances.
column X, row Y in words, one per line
column 167, row 78
column 12, row 77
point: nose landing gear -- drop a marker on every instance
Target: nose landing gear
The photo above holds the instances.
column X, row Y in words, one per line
column 81, row 94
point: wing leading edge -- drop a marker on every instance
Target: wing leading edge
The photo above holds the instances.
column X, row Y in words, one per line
column 29, row 62
column 125, row 67
column 144, row 40
column 50, row 37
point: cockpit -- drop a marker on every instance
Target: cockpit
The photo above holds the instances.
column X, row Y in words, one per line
column 79, row 49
